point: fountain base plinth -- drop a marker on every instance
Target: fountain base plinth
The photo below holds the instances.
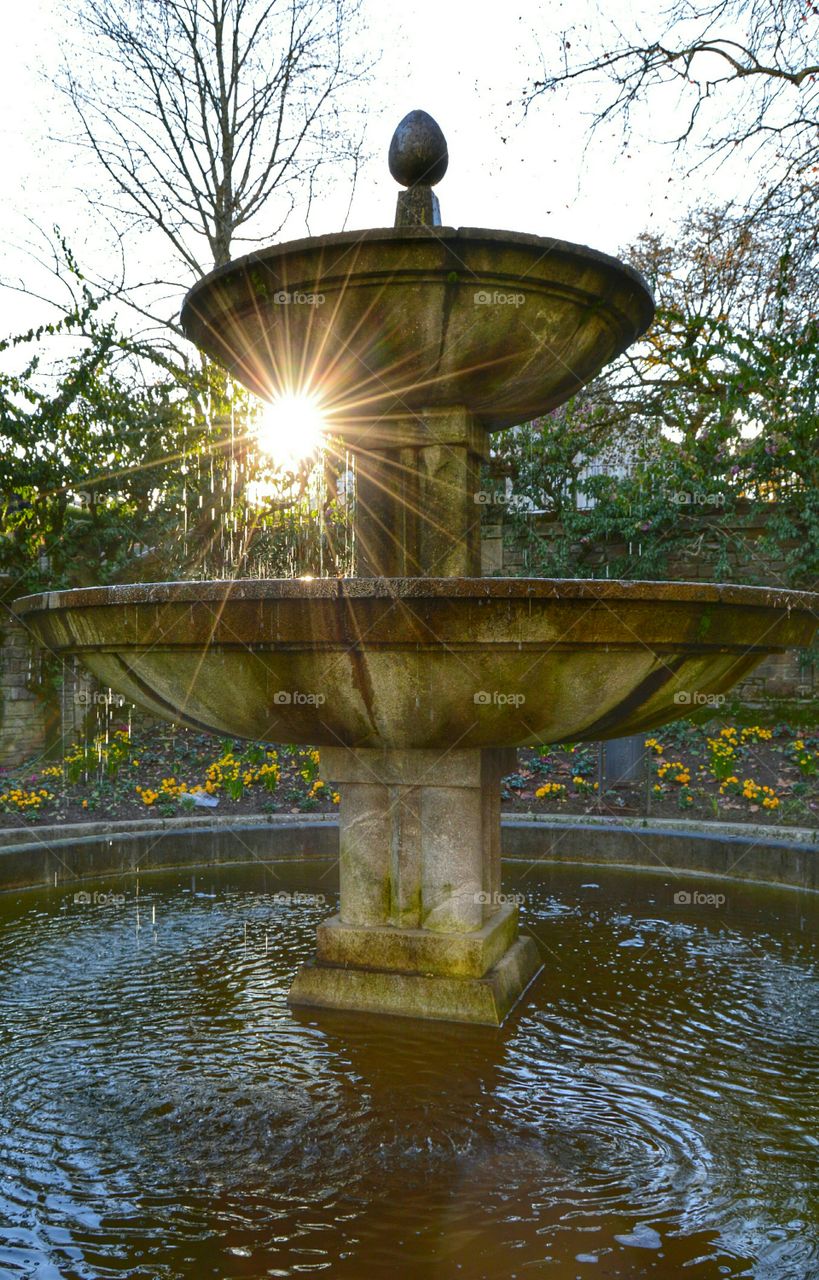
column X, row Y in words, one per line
column 486, row 1000
column 423, row 929
column 451, row 955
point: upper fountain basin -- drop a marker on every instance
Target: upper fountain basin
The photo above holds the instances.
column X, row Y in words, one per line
column 404, row 320
column 421, row 662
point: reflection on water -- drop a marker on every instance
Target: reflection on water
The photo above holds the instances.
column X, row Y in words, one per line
column 649, row 1113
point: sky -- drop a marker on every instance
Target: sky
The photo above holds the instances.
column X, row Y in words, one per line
column 463, row 63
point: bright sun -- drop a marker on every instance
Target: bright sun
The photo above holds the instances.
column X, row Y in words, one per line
column 291, row 429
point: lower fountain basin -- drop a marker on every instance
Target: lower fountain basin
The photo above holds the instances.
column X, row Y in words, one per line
column 421, row 662
column 163, row 1112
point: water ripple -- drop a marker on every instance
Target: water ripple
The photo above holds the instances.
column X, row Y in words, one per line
column 163, row 1114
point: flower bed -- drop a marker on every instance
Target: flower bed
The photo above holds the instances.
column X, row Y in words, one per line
column 716, row 772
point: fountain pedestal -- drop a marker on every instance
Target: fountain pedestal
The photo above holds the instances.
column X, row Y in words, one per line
column 417, row 477
column 423, row 928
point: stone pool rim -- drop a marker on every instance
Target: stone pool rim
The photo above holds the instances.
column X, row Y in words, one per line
column 78, row 854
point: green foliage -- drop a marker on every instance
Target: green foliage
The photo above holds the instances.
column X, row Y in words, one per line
column 126, row 461
column 700, row 446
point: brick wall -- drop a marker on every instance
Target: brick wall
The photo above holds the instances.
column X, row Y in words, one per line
column 25, row 716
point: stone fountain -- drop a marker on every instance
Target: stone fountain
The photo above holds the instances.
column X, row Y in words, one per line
column 417, row 677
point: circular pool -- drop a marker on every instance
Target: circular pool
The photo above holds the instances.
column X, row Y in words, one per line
column 649, row 1111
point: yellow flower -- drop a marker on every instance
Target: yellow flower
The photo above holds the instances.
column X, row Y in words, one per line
column 555, row 789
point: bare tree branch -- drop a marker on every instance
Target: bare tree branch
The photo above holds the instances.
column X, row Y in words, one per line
column 753, row 63
column 206, row 115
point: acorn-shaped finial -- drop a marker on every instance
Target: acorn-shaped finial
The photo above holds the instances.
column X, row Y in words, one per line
column 418, row 154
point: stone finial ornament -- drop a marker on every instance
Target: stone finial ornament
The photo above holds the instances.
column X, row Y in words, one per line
column 418, row 154
column 418, row 158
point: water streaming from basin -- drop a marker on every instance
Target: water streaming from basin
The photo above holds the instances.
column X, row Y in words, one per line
column 650, row 1112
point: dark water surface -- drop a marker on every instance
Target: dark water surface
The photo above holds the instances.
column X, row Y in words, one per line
column 652, row 1112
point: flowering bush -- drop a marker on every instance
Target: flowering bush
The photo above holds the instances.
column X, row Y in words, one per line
column 755, row 733
column 104, row 754
column 679, row 772
column 551, row 791
column 20, row 800
column 766, row 796
column 805, row 759
column 722, row 751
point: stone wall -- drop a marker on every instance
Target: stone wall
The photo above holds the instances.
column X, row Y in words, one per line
column 44, row 706
column 26, row 717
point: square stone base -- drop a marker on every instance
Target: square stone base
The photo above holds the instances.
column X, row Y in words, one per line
column 448, row 955
column 487, row 1000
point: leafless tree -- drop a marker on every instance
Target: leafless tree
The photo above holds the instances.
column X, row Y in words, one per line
column 211, row 118
column 748, row 75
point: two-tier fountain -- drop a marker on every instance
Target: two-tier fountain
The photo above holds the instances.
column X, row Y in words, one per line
column 421, row 340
